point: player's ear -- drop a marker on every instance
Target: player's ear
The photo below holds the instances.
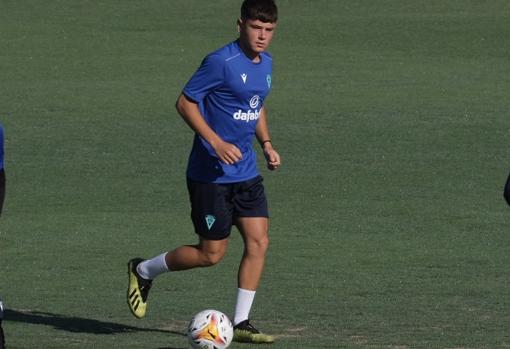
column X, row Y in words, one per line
column 239, row 24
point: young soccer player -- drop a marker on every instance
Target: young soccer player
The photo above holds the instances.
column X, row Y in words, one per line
column 223, row 103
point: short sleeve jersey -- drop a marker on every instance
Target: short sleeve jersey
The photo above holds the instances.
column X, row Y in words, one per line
column 230, row 90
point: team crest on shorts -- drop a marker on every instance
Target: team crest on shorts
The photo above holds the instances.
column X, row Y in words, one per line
column 209, row 220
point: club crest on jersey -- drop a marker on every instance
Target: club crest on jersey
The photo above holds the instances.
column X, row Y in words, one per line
column 268, row 78
column 244, row 77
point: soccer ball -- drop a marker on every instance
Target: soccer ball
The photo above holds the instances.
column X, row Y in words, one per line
column 210, row 329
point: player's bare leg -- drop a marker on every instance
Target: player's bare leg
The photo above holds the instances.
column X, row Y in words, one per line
column 142, row 272
column 254, row 231
column 204, row 254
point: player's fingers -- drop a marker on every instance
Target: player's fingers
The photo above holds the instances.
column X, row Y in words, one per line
column 225, row 158
column 232, row 157
column 273, row 162
column 236, row 153
column 274, row 158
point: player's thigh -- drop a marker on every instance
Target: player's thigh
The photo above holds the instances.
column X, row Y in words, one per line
column 255, row 232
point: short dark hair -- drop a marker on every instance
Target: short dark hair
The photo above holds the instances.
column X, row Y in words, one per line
column 262, row 10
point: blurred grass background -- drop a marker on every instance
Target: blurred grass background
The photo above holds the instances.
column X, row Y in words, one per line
column 388, row 224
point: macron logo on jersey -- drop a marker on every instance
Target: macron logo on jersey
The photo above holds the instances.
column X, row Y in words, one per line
column 249, row 115
column 244, row 77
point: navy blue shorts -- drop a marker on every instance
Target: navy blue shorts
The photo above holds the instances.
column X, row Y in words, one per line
column 214, row 207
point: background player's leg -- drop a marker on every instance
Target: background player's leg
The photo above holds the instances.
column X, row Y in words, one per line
column 2, row 339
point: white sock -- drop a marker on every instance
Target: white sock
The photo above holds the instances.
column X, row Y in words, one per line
column 243, row 306
column 151, row 268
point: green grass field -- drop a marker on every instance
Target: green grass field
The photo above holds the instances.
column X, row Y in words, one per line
column 389, row 229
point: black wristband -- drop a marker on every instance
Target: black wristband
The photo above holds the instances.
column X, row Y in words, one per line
column 264, row 142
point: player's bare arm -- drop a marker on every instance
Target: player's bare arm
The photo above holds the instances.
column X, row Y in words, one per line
column 262, row 133
column 227, row 152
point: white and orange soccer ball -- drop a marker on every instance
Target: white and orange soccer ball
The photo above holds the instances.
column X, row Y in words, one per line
column 210, row 329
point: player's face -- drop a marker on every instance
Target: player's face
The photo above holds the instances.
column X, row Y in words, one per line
column 255, row 35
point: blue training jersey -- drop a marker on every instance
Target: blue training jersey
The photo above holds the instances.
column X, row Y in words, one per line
column 230, row 90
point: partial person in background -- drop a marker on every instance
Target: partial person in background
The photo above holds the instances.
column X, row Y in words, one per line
column 2, row 172
column 2, row 197
column 2, row 339
column 507, row 190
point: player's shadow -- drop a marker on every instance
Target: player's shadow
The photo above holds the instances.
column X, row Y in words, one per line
column 76, row 324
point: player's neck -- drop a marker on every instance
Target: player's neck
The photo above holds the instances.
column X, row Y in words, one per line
column 252, row 55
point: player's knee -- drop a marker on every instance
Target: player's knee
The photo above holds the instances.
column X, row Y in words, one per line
column 211, row 258
column 212, row 252
column 258, row 246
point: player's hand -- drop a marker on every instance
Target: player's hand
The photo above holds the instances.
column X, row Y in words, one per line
column 272, row 157
column 227, row 152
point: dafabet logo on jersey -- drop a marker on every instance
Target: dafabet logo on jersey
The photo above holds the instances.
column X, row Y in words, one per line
column 249, row 115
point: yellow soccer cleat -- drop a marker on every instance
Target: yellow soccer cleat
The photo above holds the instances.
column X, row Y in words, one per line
column 138, row 289
column 244, row 332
